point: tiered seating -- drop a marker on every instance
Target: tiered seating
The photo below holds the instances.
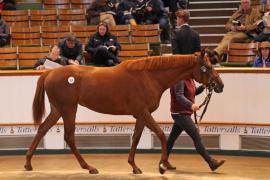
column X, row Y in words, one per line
column 241, row 54
column 16, row 18
column 46, row 17
column 83, row 32
column 28, row 56
column 132, row 51
column 25, row 36
column 8, row 58
column 47, row 35
column 52, row 35
column 21, row 57
column 72, row 16
column 56, row 4
column 34, row 42
column 145, row 33
column 122, row 32
column 84, row 4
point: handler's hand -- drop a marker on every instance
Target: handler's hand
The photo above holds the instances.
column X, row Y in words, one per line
column 195, row 107
column 113, row 48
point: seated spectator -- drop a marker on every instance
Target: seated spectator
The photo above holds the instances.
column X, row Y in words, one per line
column 263, row 1
column 155, row 13
column 103, row 46
column 241, row 26
column 7, row 5
column 71, row 48
column 4, row 32
column 265, row 25
column 101, row 11
column 125, row 12
column 54, row 56
column 263, row 58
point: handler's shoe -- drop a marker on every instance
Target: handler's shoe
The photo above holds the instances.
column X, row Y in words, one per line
column 170, row 166
column 214, row 164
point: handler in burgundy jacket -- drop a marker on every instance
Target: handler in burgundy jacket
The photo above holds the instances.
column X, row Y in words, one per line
column 182, row 107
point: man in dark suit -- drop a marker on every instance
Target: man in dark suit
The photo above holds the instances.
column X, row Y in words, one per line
column 184, row 39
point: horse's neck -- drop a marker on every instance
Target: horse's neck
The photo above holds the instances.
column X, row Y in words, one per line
column 168, row 77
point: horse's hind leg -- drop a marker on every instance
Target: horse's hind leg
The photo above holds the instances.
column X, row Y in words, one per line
column 139, row 126
column 153, row 126
column 51, row 120
column 69, row 125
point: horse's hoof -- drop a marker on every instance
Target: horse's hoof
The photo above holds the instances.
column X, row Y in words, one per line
column 93, row 171
column 162, row 168
column 137, row 171
column 28, row 167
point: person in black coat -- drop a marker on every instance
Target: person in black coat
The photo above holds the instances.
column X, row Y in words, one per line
column 4, row 32
column 71, row 48
column 184, row 39
column 103, row 47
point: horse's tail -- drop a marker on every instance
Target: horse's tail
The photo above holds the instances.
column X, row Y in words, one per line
column 38, row 102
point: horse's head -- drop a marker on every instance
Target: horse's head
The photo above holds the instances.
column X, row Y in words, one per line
column 206, row 74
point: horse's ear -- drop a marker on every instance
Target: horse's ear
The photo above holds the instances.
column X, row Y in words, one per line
column 198, row 53
column 204, row 51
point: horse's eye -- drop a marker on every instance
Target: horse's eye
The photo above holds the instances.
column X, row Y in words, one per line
column 203, row 68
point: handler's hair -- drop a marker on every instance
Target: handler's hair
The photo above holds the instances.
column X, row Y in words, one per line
column 184, row 14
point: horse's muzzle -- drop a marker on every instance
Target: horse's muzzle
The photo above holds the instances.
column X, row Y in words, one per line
column 219, row 88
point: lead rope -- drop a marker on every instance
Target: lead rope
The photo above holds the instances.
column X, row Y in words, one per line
column 205, row 102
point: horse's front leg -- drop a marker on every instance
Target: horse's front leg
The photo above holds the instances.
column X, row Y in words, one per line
column 153, row 126
column 139, row 126
column 69, row 125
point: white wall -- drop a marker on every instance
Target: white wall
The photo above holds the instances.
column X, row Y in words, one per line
column 245, row 99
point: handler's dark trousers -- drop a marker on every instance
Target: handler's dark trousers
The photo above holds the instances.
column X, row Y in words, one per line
column 184, row 122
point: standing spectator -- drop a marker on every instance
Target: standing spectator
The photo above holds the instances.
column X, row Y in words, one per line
column 103, row 46
column 155, row 13
column 101, row 11
column 184, row 39
column 263, row 58
column 71, row 48
column 241, row 26
column 2, row 4
column 4, row 32
column 54, row 56
column 7, row 5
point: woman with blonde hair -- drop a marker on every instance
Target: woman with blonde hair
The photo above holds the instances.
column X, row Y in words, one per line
column 263, row 58
column 103, row 47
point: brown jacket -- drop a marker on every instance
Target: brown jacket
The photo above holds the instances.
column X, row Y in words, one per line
column 250, row 21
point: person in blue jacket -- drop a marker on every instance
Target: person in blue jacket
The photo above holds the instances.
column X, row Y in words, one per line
column 263, row 58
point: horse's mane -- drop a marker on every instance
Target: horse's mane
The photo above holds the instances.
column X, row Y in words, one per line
column 158, row 62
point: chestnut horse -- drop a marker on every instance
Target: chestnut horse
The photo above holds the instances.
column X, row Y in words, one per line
column 130, row 88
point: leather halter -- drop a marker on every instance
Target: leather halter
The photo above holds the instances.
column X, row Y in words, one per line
column 210, row 85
